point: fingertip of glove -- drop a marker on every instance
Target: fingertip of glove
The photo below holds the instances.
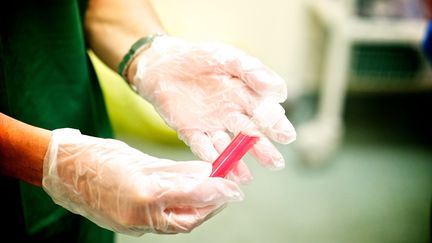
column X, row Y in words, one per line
column 244, row 180
column 278, row 164
column 230, row 190
column 282, row 132
column 275, row 163
column 241, row 174
column 237, row 196
column 286, row 136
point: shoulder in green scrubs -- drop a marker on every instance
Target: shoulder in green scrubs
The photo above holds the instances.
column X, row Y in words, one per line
column 46, row 80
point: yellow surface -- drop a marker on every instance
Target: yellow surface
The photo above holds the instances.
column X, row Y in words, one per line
column 130, row 115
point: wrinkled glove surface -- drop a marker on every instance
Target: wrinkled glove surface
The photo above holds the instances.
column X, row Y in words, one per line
column 127, row 191
column 208, row 92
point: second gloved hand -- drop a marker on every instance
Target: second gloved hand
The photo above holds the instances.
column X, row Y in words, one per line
column 124, row 190
column 209, row 92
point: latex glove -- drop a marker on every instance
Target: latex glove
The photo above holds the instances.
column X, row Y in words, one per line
column 124, row 190
column 208, row 92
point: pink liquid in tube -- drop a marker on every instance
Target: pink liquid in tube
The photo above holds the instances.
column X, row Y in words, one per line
column 232, row 154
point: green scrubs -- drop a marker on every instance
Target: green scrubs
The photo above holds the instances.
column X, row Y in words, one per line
column 46, row 80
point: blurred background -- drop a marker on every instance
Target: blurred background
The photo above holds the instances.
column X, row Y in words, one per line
column 360, row 97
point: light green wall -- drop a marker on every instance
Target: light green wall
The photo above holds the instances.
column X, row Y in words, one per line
column 131, row 116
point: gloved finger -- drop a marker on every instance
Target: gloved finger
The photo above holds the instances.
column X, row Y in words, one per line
column 267, row 154
column 263, row 151
column 255, row 74
column 209, row 148
column 270, row 117
column 240, row 173
column 245, row 97
column 201, row 144
column 182, row 201
column 198, row 192
column 173, row 168
column 267, row 114
column 184, row 220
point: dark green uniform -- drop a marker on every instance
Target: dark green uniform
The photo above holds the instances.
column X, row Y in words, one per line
column 46, row 80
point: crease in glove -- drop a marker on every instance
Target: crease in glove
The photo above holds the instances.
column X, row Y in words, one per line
column 205, row 88
column 124, row 190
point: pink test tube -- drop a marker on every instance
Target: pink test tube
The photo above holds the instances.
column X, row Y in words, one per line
column 232, row 154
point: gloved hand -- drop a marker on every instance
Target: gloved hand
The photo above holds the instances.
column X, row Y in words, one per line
column 124, row 190
column 209, row 92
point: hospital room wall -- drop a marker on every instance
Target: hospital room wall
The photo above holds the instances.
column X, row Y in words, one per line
column 272, row 30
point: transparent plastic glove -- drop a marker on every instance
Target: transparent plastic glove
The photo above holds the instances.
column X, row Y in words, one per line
column 208, row 92
column 124, row 190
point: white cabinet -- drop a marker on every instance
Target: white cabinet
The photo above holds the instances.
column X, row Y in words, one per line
column 346, row 32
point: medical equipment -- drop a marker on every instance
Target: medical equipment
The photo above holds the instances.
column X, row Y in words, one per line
column 365, row 52
column 232, row 154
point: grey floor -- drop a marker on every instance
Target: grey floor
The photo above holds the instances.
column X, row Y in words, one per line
column 376, row 188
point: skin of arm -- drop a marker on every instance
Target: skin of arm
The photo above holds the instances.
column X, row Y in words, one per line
column 113, row 26
column 428, row 8
column 22, row 150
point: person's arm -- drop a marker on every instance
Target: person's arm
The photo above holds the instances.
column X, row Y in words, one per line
column 112, row 26
column 110, row 183
column 22, row 150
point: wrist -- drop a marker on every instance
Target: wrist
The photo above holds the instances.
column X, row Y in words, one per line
column 127, row 66
column 132, row 69
column 22, row 150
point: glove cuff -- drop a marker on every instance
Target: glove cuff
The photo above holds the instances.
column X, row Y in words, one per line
column 50, row 158
column 141, row 44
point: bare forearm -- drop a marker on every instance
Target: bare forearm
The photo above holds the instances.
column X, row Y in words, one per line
column 112, row 26
column 22, row 150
